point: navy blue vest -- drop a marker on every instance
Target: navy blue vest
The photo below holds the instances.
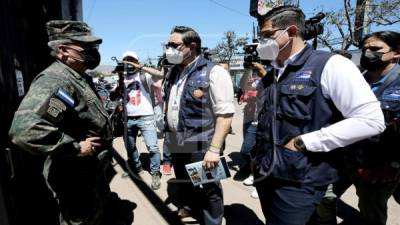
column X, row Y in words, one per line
column 300, row 108
column 383, row 148
column 196, row 118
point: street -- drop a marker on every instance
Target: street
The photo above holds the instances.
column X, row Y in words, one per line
column 240, row 208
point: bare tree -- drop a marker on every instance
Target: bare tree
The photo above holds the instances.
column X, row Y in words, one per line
column 345, row 27
column 228, row 47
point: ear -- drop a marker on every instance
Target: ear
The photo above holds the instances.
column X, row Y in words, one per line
column 292, row 31
column 193, row 46
column 62, row 50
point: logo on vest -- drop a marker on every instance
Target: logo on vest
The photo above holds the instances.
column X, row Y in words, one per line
column 198, row 93
column 303, row 75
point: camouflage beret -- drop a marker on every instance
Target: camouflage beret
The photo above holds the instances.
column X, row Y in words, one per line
column 72, row 30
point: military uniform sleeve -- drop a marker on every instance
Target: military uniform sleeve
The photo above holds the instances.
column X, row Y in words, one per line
column 35, row 127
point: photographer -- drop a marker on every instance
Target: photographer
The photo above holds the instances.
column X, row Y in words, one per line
column 317, row 102
column 140, row 113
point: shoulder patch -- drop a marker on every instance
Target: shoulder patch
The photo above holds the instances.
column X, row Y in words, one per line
column 303, row 75
column 56, row 103
column 65, row 97
column 52, row 111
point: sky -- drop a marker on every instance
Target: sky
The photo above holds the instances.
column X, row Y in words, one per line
column 143, row 25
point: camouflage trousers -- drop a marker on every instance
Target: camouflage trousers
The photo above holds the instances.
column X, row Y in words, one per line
column 80, row 187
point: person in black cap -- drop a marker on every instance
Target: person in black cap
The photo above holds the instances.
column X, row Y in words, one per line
column 61, row 117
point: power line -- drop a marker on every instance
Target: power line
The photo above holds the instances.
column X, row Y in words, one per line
column 228, row 8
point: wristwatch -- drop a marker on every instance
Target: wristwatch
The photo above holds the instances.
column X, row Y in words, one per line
column 299, row 144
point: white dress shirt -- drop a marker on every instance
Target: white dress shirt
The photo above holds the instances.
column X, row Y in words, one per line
column 343, row 83
column 221, row 93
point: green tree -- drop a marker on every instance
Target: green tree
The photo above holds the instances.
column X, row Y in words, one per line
column 228, row 47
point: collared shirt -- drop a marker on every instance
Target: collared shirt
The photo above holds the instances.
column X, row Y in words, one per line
column 343, row 83
column 282, row 68
column 375, row 86
column 221, row 92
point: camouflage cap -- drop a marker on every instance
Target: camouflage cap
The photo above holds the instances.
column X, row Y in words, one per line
column 72, row 30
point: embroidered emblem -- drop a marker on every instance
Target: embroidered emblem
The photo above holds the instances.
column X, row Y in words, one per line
column 52, row 111
column 65, row 97
column 56, row 103
column 304, row 75
column 198, row 93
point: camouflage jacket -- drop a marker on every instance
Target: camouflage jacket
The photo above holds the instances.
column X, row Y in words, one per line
column 60, row 109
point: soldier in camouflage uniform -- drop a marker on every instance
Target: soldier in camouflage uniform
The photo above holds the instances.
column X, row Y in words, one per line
column 62, row 118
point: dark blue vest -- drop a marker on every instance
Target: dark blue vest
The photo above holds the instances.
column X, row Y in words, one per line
column 300, row 108
column 383, row 148
column 196, row 118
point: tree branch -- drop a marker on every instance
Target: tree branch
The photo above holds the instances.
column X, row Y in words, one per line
column 347, row 8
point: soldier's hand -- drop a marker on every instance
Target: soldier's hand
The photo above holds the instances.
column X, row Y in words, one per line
column 210, row 160
column 89, row 146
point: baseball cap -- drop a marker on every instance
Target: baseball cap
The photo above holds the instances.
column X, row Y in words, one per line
column 130, row 54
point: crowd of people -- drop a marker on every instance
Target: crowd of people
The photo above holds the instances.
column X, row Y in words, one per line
column 314, row 123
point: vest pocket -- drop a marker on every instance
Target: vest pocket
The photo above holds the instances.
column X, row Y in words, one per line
column 290, row 165
column 295, row 101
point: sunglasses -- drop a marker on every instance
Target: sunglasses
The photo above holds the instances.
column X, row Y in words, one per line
column 84, row 47
column 173, row 45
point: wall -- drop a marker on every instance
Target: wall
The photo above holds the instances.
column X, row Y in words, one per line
column 24, row 51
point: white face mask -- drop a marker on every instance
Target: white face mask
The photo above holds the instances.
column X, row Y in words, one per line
column 268, row 48
column 174, row 56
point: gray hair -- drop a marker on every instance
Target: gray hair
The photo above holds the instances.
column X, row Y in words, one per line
column 54, row 44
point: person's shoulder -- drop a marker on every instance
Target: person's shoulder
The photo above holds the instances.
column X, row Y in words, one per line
column 339, row 62
column 219, row 69
column 57, row 72
column 51, row 79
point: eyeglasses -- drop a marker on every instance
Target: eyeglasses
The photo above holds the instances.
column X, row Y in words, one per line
column 173, row 45
column 87, row 46
column 269, row 33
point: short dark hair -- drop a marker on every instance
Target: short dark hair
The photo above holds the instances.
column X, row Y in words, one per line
column 344, row 53
column 284, row 16
column 188, row 36
column 391, row 38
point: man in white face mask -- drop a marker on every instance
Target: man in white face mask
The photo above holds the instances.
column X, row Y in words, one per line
column 199, row 100
column 301, row 120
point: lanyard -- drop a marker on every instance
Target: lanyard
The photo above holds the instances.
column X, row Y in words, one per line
column 181, row 81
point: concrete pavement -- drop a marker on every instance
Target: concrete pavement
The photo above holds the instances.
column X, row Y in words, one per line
column 155, row 208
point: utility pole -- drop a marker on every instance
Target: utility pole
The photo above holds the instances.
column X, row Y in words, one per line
column 361, row 24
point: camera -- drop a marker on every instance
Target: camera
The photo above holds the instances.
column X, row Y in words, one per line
column 206, row 53
column 250, row 55
column 313, row 26
column 120, row 68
